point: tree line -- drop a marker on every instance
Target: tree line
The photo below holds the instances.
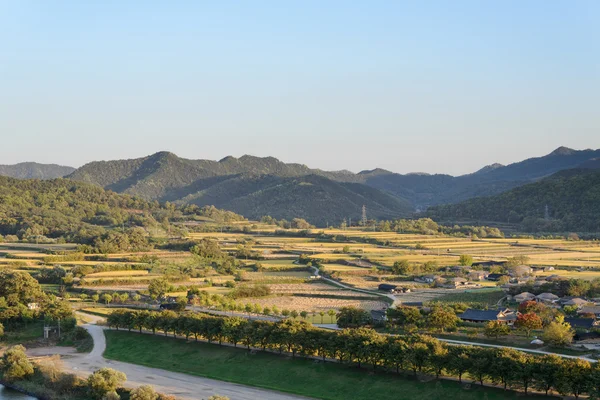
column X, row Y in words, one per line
column 415, row 354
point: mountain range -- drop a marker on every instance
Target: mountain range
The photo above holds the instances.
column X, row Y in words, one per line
column 256, row 186
column 32, row 170
column 568, row 200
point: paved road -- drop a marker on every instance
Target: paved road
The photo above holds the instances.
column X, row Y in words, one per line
column 459, row 342
column 456, row 342
column 371, row 292
column 183, row 386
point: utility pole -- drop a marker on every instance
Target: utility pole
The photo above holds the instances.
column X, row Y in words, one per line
column 364, row 216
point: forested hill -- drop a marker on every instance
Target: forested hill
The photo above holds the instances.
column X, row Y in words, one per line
column 572, row 197
column 82, row 213
column 424, row 190
column 164, row 176
column 251, row 185
column 31, row 170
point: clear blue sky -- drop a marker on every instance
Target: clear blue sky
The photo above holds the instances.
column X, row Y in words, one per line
column 434, row 86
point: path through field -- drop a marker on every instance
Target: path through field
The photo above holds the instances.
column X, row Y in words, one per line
column 183, row 386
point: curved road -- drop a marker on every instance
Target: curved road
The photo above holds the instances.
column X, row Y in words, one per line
column 388, row 295
column 183, row 386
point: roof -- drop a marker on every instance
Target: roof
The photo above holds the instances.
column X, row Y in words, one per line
column 496, row 276
column 525, row 295
column 586, row 336
column 458, row 279
column 577, row 301
column 589, row 310
column 480, row 315
column 378, row 315
column 547, row 296
column 387, row 286
column 587, row 323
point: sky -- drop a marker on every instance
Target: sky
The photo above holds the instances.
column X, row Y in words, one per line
column 410, row 86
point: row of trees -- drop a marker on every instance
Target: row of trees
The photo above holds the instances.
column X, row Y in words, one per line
column 414, row 353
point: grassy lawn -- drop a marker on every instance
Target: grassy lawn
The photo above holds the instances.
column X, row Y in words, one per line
column 300, row 376
column 25, row 333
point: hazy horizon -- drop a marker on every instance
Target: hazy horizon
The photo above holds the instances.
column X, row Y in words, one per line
column 437, row 87
column 295, row 162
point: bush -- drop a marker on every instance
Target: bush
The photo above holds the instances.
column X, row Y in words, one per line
column 145, row 392
column 15, row 365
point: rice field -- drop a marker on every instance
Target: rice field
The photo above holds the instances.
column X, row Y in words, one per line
column 113, row 274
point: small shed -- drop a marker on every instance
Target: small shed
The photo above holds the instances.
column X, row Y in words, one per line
column 386, row 287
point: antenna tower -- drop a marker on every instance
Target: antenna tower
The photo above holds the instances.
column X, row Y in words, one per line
column 364, row 215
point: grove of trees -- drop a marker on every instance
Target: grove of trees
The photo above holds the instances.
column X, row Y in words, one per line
column 415, row 354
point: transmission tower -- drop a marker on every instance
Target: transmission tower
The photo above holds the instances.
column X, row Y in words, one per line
column 364, row 215
column 546, row 213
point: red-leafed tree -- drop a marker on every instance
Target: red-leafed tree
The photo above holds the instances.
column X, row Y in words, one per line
column 528, row 322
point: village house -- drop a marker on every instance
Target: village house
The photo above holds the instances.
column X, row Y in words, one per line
column 581, row 323
column 478, row 275
column 525, row 296
column 506, row 316
column 594, row 310
column 495, row 277
column 542, row 269
column 520, row 271
column 427, row 278
column 455, row 283
column 386, row 287
column 547, row 298
column 459, row 269
column 575, row 301
column 378, row 316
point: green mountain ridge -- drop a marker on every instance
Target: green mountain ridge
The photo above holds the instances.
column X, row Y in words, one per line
column 32, row 170
column 566, row 201
column 236, row 183
column 252, row 185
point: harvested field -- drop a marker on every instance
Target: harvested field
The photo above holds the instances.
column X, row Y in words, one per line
column 312, row 303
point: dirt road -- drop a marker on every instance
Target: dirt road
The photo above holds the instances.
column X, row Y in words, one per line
column 182, row 386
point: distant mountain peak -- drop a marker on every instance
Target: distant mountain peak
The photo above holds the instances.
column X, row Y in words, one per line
column 227, row 159
column 489, row 168
column 33, row 170
column 562, row 151
column 376, row 171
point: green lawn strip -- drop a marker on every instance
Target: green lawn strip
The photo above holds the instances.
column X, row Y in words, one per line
column 491, row 297
column 25, row 333
column 306, row 377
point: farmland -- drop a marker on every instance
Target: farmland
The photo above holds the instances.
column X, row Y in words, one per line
column 358, row 258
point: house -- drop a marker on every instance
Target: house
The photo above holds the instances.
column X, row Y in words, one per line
column 525, row 296
column 459, row 269
column 542, row 269
column 582, row 323
column 595, row 310
column 547, row 298
column 520, row 271
column 506, row 316
column 457, row 282
column 427, row 278
column 495, row 277
column 378, row 316
column 386, row 287
column 487, row 264
column 587, row 337
column 576, row 301
column 555, row 278
column 478, row 275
